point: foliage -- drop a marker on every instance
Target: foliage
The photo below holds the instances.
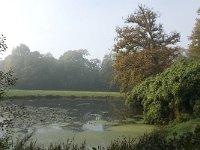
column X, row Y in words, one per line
column 72, row 71
column 158, row 140
column 6, row 81
column 194, row 47
column 142, row 48
column 197, row 108
column 3, row 45
column 106, row 73
column 169, row 95
column 181, row 127
column 6, row 78
column 5, row 143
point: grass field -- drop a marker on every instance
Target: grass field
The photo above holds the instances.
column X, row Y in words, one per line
column 70, row 94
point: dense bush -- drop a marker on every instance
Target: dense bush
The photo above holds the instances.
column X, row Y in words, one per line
column 169, row 95
column 5, row 143
column 158, row 141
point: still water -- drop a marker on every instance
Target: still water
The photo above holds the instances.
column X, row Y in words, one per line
column 56, row 120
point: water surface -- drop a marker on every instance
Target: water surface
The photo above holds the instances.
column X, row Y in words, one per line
column 56, row 120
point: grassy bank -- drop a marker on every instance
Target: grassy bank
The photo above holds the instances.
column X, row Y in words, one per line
column 67, row 94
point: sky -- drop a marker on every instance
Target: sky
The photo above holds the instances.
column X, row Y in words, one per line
column 56, row 26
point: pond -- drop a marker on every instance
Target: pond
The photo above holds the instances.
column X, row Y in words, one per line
column 55, row 120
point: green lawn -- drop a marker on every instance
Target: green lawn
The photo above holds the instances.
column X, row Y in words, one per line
column 75, row 94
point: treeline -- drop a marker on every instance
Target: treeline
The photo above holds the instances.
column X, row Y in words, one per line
column 72, row 71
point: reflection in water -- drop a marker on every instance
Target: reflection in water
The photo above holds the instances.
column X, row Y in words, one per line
column 50, row 128
column 92, row 126
column 89, row 126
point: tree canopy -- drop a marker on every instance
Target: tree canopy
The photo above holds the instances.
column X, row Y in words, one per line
column 194, row 47
column 142, row 48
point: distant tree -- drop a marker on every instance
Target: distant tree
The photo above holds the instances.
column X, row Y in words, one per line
column 194, row 47
column 34, row 71
column 52, row 68
column 93, row 75
column 73, row 64
column 142, row 48
column 107, row 73
column 22, row 50
column 17, row 59
column 31, row 68
column 17, row 62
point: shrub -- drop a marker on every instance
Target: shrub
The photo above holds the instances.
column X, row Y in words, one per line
column 157, row 140
column 197, row 108
column 168, row 95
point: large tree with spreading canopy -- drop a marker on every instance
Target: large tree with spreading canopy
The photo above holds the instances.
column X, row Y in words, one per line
column 142, row 48
column 194, row 47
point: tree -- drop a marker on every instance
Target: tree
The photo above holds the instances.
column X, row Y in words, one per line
column 142, row 48
column 79, row 73
column 170, row 94
column 107, row 71
column 33, row 70
column 74, row 65
column 17, row 61
column 22, row 50
column 6, row 78
column 3, row 45
column 194, row 47
column 106, row 74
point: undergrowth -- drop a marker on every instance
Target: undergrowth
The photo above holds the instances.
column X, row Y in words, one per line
column 156, row 140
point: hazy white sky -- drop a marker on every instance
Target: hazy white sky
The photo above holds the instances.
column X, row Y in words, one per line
column 56, row 26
